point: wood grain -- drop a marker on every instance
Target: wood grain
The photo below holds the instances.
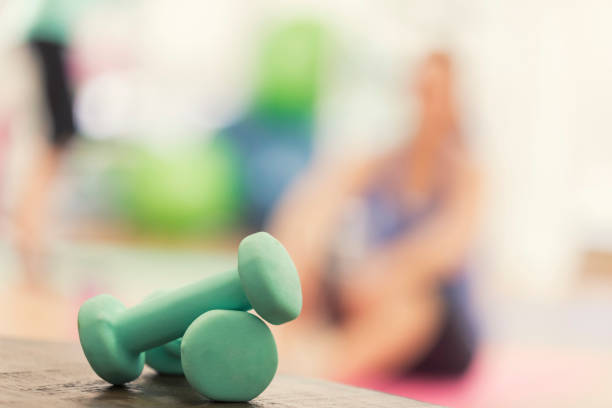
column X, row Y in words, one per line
column 37, row 374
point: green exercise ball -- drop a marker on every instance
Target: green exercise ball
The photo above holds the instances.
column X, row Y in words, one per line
column 188, row 190
column 290, row 66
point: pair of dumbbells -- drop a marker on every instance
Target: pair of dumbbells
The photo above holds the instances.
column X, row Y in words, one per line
column 202, row 330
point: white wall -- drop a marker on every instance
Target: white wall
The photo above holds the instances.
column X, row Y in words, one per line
column 544, row 132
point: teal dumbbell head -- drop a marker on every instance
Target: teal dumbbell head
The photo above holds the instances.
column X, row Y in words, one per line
column 101, row 343
column 229, row 355
column 269, row 278
column 114, row 338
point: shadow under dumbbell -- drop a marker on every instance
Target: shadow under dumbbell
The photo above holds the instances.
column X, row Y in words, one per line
column 153, row 390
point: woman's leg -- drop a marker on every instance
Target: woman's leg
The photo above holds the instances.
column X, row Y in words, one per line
column 382, row 340
column 386, row 338
column 31, row 219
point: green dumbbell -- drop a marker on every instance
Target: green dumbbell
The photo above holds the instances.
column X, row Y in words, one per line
column 229, row 355
column 166, row 359
column 114, row 338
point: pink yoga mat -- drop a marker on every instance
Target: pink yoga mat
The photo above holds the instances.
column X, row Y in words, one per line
column 518, row 376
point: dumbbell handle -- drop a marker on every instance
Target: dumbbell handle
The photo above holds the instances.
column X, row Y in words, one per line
column 167, row 316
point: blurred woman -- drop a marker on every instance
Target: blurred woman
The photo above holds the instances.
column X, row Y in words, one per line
column 380, row 245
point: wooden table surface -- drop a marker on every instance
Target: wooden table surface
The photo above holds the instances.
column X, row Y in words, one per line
column 37, row 374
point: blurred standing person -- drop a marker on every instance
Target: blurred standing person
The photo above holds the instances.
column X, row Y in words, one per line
column 381, row 247
column 48, row 39
column 31, row 307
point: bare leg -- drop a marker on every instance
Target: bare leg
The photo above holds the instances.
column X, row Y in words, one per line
column 32, row 214
column 385, row 339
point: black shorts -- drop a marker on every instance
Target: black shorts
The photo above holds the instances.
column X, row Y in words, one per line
column 453, row 350
column 57, row 94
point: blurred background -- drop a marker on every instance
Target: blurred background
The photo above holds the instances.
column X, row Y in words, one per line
column 452, row 158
